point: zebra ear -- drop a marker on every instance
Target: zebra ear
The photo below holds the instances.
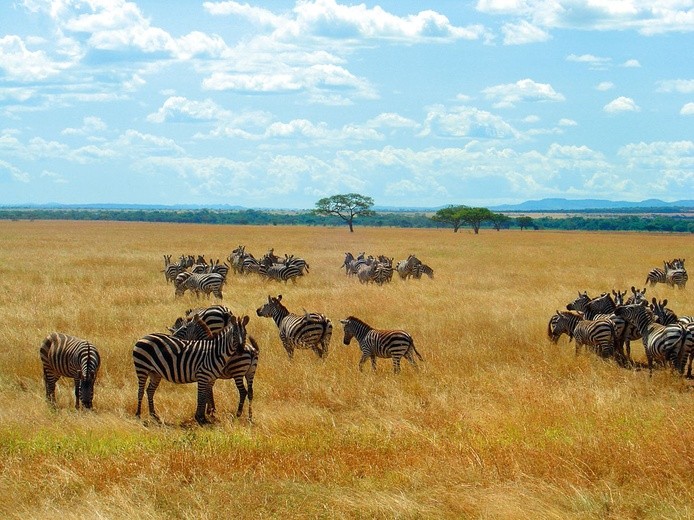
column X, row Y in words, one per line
column 245, row 320
column 344, row 322
column 279, row 297
column 665, row 302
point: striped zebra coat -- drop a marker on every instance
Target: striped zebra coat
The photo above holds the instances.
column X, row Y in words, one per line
column 68, row 356
column 158, row 356
column 374, row 343
column 307, row 331
column 597, row 334
column 662, row 343
column 241, row 366
column 205, row 283
column 668, row 317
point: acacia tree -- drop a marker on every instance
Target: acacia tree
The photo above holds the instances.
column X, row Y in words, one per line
column 500, row 220
column 459, row 215
column 347, row 207
column 525, row 222
column 452, row 215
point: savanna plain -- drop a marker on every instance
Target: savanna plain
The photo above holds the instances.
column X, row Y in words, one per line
column 497, row 423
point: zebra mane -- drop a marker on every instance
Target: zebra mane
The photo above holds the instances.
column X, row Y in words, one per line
column 357, row 320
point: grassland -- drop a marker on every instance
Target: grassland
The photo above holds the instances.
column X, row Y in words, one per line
column 498, row 423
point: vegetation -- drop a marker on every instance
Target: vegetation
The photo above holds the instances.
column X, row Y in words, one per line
column 347, row 207
column 583, row 221
column 499, row 422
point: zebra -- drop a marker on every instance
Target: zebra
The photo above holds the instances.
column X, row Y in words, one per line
column 242, row 364
column 352, row 264
column 158, row 356
column 677, row 278
column 420, row 269
column 373, row 343
column 297, row 262
column 663, row 343
column 599, row 334
column 67, row 356
column 668, row 317
column 310, row 330
column 215, row 317
column 216, row 267
column 284, row 272
column 199, row 283
column 405, row 267
column 383, row 272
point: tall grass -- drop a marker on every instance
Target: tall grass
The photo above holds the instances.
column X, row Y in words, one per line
column 498, row 423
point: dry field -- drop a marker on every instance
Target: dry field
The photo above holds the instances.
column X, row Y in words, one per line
column 498, row 423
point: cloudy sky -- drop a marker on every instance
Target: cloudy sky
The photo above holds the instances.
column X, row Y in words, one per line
column 277, row 104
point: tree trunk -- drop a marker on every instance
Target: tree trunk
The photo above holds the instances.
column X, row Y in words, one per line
column 351, row 229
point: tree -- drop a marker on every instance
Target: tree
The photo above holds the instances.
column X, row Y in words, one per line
column 347, row 207
column 525, row 222
column 500, row 220
column 452, row 215
column 476, row 216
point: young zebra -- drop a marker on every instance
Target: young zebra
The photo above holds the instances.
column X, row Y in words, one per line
column 310, row 330
column 216, row 317
column 663, row 343
column 599, row 334
column 68, row 356
column 374, row 343
column 242, row 364
column 158, row 356
column 199, row 283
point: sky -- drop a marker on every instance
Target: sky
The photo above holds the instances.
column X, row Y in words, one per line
column 276, row 104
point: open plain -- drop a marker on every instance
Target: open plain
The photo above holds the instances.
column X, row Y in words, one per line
column 497, row 423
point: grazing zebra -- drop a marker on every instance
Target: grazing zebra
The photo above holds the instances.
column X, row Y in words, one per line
column 599, row 334
column 383, row 270
column 297, row 262
column 241, row 365
column 199, row 283
column 216, row 267
column 310, row 330
column 405, row 267
column 663, row 343
column 68, row 356
column 284, row 272
column 420, row 269
column 374, row 343
column 668, row 317
column 158, row 356
column 656, row 275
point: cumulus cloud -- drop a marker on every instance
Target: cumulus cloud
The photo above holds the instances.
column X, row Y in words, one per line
column 621, row 104
column 181, row 109
column 567, row 122
column 90, row 125
column 523, row 32
column 687, row 109
column 22, row 64
column 508, row 95
column 465, row 122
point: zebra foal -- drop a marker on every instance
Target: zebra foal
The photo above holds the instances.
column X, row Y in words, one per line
column 68, row 356
column 374, row 343
column 158, row 356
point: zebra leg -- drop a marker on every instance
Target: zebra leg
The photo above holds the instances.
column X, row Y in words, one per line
column 250, row 399
column 363, row 359
column 154, row 380
column 373, row 362
column 203, row 397
column 411, row 359
column 242, row 395
column 50, row 381
column 290, row 350
column 77, row 393
column 689, row 365
column 396, row 364
column 210, row 407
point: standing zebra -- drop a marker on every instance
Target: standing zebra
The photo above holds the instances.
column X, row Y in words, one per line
column 199, row 283
column 68, row 356
column 405, row 267
column 663, row 343
column 599, row 334
column 216, row 317
column 380, row 343
column 310, row 330
column 241, row 365
column 158, row 356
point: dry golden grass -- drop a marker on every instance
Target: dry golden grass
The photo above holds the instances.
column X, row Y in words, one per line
column 498, row 423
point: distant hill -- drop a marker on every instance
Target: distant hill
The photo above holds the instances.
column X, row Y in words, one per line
column 586, row 204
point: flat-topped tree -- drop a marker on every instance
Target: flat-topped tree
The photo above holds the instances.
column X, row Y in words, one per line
column 347, row 207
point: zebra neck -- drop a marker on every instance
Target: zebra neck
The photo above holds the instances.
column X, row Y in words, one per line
column 279, row 314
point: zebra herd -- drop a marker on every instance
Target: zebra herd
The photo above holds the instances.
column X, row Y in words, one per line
column 208, row 344
column 270, row 265
column 196, row 275
column 608, row 324
column 673, row 274
column 379, row 270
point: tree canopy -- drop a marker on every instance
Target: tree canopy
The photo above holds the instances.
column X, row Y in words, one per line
column 347, row 207
column 459, row 215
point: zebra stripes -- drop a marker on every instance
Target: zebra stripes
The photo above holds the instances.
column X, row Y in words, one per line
column 205, row 283
column 158, row 356
column 216, row 318
column 374, row 343
column 68, row 356
column 308, row 331
column 662, row 343
column 598, row 334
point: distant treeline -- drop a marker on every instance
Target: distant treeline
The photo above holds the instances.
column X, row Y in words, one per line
column 585, row 222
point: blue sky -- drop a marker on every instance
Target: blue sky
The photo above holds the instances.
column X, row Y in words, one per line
column 276, row 104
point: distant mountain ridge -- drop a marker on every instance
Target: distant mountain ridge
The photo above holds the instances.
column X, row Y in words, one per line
column 558, row 204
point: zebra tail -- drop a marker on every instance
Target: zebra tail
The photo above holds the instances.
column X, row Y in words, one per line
column 254, row 344
column 417, row 352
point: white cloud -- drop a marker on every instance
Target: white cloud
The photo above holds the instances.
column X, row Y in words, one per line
column 508, row 95
column 91, row 125
column 631, row 64
column 621, row 104
column 681, row 86
column 594, row 62
column 391, row 120
column 257, row 15
column 22, row 64
column 567, row 122
column 604, row 86
column 522, row 33
column 687, row 109
column 531, row 119
column 14, row 172
column 178, row 108
column 465, row 122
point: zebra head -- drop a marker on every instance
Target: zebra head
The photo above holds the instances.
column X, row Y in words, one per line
column 354, row 328
column 562, row 323
column 349, row 333
column 269, row 309
column 637, row 296
column 579, row 303
column 89, row 367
